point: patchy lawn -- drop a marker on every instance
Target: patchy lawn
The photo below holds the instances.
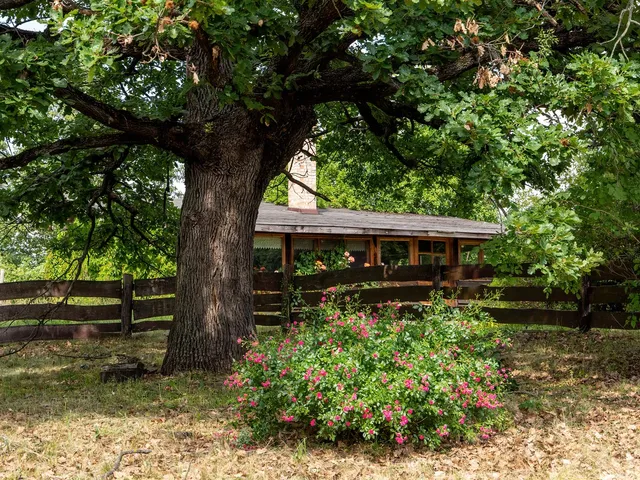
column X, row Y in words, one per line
column 576, row 415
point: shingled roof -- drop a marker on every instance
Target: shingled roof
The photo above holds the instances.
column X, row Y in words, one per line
column 340, row 221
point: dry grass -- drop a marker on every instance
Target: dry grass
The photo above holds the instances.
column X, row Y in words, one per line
column 576, row 415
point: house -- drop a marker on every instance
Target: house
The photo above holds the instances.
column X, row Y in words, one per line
column 284, row 233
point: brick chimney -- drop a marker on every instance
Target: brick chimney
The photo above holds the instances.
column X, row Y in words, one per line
column 303, row 168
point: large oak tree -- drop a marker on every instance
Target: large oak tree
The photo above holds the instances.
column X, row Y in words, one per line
column 106, row 96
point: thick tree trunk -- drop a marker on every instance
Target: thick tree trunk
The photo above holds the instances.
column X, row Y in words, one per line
column 231, row 160
column 214, row 297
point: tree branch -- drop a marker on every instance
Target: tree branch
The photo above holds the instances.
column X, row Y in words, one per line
column 168, row 135
column 384, row 133
column 70, row 6
column 109, row 116
column 20, row 34
column 353, row 84
column 470, row 60
column 116, row 466
column 11, row 4
column 347, row 83
column 67, row 145
column 114, row 197
column 403, row 110
column 292, row 179
column 543, row 12
column 313, row 19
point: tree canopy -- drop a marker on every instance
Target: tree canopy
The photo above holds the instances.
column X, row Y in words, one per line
column 103, row 102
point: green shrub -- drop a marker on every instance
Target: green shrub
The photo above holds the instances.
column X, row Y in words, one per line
column 347, row 372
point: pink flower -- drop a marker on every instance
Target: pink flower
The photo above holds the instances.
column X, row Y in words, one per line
column 330, row 423
column 371, row 432
column 239, row 340
column 294, row 399
column 266, row 384
column 313, row 422
column 404, row 420
column 319, row 394
column 347, row 254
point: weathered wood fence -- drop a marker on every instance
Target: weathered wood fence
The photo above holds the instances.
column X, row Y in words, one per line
column 148, row 304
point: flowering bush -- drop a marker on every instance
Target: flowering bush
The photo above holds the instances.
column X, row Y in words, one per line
column 381, row 376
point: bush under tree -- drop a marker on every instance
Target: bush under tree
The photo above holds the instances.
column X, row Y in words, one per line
column 348, row 372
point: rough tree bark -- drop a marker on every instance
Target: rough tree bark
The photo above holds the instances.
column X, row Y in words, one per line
column 224, row 184
column 214, row 304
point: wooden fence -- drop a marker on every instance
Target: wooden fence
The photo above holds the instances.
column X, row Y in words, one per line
column 138, row 306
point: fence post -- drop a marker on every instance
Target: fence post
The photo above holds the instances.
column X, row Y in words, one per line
column 126, row 311
column 584, row 305
column 437, row 274
column 287, row 284
column 454, row 282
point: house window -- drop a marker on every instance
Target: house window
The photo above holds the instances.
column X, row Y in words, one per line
column 302, row 245
column 394, row 252
column 267, row 253
column 329, row 244
column 470, row 254
column 430, row 249
column 359, row 250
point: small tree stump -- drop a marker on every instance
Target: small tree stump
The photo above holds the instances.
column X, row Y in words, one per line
column 121, row 372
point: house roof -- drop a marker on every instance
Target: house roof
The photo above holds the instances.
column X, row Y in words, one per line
column 340, row 221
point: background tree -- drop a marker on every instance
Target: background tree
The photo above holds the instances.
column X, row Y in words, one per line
column 366, row 176
column 233, row 89
column 593, row 215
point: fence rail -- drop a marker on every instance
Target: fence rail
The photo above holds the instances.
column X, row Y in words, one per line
column 145, row 305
